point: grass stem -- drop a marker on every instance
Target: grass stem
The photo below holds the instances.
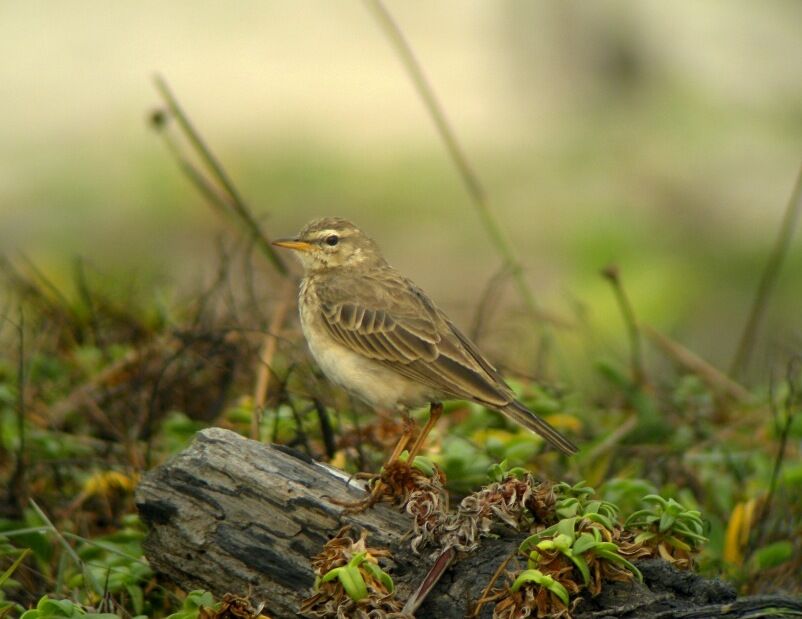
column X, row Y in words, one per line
column 235, row 201
column 469, row 177
column 768, row 279
column 612, row 275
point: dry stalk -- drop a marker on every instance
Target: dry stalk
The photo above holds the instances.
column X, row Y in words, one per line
column 769, row 278
column 713, row 378
column 612, row 275
column 267, row 352
column 228, row 196
column 475, row 189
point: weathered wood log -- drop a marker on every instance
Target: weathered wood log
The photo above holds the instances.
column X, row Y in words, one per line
column 232, row 515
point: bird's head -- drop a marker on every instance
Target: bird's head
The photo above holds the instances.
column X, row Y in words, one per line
column 330, row 243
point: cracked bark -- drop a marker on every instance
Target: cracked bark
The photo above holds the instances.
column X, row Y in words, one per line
column 232, row 515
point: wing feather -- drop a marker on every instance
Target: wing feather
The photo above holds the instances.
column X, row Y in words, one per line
column 390, row 320
column 400, row 327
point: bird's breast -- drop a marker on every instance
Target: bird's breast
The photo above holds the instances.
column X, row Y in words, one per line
column 366, row 378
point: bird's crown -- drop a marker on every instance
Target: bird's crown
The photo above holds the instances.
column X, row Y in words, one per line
column 332, row 242
column 326, row 224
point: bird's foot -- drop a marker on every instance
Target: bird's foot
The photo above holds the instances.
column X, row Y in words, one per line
column 378, row 491
column 396, row 481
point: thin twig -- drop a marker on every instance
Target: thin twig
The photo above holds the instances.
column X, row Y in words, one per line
column 47, row 283
column 326, row 431
column 17, row 488
column 470, row 179
column 3, row 452
column 713, row 377
column 269, row 346
column 488, row 301
column 612, row 275
column 486, row 597
column 612, row 439
column 768, row 279
column 82, row 285
column 55, row 300
column 207, row 157
column 301, row 437
column 195, row 176
column 89, row 578
column 792, row 400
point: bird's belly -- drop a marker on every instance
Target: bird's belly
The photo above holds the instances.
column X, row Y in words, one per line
column 366, row 378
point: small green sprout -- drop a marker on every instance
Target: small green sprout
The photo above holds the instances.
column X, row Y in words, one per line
column 579, row 490
column 352, row 579
column 48, row 608
column 380, row 575
column 667, row 521
column 544, row 580
column 422, row 463
column 576, row 501
column 193, row 603
column 502, row 470
column 593, row 542
column 579, row 549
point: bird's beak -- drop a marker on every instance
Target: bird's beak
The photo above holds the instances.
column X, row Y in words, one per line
column 293, row 244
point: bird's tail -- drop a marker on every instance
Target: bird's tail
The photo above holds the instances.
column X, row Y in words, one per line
column 522, row 415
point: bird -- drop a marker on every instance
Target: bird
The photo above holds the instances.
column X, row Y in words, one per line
column 376, row 334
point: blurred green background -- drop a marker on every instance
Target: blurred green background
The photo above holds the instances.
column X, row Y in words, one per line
column 663, row 137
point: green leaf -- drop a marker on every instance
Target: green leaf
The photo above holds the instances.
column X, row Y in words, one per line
column 353, row 583
column 495, row 472
column 424, row 465
column 678, row 543
column 197, row 598
column 600, row 519
column 613, row 373
column 357, row 559
column 773, row 555
column 563, row 542
column 567, row 528
column 526, row 576
column 380, row 575
column 533, row 540
column 331, row 574
column 59, row 608
column 644, row 537
column 566, row 508
column 583, row 568
column 137, row 598
column 613, row 557
column 666, row 521
column 546, row 544
column 192, row 604
column 13, row 567
column 584, row 543
column 544, row 580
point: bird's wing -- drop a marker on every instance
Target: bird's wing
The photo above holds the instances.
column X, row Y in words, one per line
column 387, row 318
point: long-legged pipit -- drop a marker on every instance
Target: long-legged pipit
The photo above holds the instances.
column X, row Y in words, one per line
column 378, row 335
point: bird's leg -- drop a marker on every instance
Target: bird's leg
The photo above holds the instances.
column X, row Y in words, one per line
column 409, row 429
column 379, row 487
column 435, row 411
column 406, row 436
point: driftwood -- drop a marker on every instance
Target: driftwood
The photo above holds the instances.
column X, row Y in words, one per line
column 232, row 515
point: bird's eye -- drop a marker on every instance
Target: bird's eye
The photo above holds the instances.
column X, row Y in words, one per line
column 332, row 240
